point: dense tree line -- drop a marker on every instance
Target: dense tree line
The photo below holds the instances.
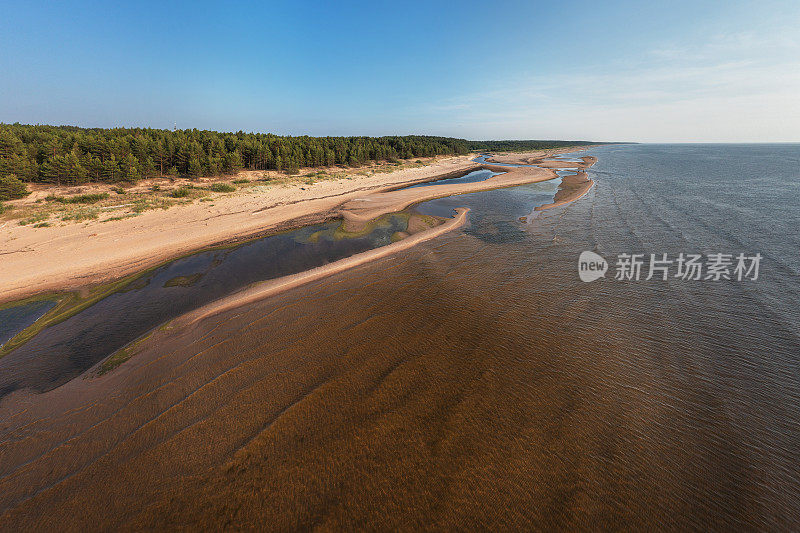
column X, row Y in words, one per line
column 519, row 146
column 71, row 155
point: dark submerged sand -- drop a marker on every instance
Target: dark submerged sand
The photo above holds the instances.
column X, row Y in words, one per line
column 408, row 400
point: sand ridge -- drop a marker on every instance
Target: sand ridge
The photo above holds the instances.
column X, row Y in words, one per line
column 572, row 188
column 271, row 287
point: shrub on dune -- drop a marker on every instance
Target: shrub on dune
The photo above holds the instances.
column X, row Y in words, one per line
column 11, row 188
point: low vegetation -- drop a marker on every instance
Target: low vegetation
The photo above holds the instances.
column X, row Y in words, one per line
column 107, row 203
column 39, row 217
column 125, row 353
column 222, row 187
column 69, row 304
column 81, row 215
column 80, row 199
column 184, row 281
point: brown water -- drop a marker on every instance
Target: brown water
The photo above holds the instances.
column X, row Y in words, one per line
column 472, row 383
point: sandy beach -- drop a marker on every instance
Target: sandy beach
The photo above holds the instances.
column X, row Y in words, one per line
column 358, row 211
column 68, row 257
column 385, row 396
column 540, row 158
column 471, row 381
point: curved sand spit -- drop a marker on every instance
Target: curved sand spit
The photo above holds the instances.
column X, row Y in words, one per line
column 572, row 188
column 73, row 256
column 358, row 212
column 268, row 288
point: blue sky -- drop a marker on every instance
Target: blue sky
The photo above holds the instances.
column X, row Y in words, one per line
column 693, row 71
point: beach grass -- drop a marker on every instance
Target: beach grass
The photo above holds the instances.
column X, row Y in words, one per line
column 97, row 201
column 222, row 187
column 79, row 199
column 121, row 355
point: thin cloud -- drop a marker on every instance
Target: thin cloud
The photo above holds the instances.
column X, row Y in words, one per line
column 741, row 74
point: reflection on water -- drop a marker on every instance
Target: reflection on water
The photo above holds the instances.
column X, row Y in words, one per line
column 65, row 350
column 19, row 317
column 494, row 215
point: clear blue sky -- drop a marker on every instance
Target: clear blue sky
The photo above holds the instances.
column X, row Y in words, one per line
column 643, row 71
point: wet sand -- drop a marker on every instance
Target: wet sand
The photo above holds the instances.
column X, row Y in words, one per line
column 555, row 163
column 37, row 260
column 395, row 396
column 542, row 159
column 472, row 382
column 572, row 188
column 302, row 402
column 286, row 414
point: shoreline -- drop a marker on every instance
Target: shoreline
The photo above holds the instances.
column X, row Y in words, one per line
column 81, row 256
column 572, row 188
column 359, row 211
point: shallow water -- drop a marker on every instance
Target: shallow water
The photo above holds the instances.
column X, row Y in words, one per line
column 65, row 350
column 19, row 317
column 666, row 405
column 471, row 177
column 472, row 382
column 705, row 374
